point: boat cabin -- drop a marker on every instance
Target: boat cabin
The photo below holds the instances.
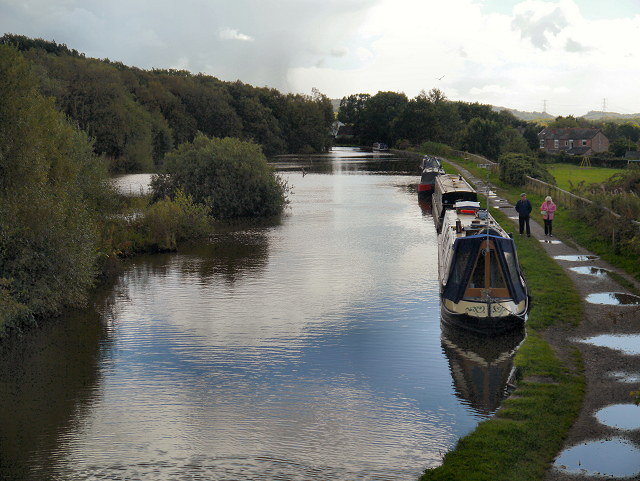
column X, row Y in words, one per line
column 449, row 189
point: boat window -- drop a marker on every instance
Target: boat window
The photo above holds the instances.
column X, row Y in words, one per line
column 495, row 273
column 487, row 270
column 461, row 263
column 477, row 278
column 513, row 269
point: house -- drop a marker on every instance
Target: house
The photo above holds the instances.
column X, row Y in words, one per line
column 573, row 141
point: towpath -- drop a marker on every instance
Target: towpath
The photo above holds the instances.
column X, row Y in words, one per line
column 610, row 373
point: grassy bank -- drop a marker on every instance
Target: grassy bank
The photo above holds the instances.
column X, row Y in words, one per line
column 568, row 175
column 527, row 432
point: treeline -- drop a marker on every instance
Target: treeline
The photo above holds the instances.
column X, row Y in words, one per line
column 62, row 225
column 431, row 119
column 136, row 116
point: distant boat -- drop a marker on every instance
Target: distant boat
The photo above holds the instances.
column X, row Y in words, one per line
column 482, row 288
column 380, row 147
column 431, row 168
column 449, row 189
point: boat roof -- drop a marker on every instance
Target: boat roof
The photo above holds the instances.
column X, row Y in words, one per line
column 473, row 219
column 453, row 183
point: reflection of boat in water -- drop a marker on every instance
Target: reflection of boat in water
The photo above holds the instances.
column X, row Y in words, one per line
column 425, row 205
column 481, row 366
column 448, row 189
column 380, row 147
column 481, row 285
column 431, row 168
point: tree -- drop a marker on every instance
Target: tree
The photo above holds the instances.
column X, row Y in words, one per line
column 483, row 137
column 52, row 192
column 378, row 115
column 564, row 122
column 620, row 146
column 630, row 131
column 230, row 176
column 530, row 134
column 513, row 141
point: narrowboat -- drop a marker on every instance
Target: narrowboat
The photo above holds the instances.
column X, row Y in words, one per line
column 447, row 190
column 482, row 287
column 431, row 168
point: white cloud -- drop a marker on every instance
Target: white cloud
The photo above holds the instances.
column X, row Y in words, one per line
column 233, row 34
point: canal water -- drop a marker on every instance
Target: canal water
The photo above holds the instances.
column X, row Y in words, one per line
column 308, row 348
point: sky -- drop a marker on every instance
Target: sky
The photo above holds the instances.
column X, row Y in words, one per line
column 565, row 57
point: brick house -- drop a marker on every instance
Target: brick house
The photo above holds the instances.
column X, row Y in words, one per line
column 573, row 141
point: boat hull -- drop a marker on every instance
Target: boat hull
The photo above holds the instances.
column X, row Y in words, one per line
column 502, row 317
column 425, row 189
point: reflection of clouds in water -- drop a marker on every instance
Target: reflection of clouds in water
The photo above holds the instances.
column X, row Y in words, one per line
column 132, row 184
column 628, row 344
column 602, row 458
column 306, row 348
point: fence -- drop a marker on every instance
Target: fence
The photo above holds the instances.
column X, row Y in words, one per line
column 562, row 197
column 478, row 159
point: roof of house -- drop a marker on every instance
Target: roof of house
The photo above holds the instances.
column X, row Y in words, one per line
column 579, row 151
column 568, row 134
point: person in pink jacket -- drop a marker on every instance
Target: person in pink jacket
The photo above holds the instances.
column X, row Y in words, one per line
column 548, row 208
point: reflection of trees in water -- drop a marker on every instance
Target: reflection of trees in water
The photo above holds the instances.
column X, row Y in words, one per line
column 49, row 379
column 480, row 365
column 228, row 255
column 358, row 162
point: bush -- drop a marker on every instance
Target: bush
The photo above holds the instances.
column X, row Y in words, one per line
column 515, row 167
column 154, row 227
column 169, row 222
column 434, row 148
column 230, row 176
column 13, row 315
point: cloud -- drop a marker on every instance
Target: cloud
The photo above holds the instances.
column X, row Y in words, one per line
column 576, row 47
column 515, row 56
column 538, row 29
column 233, row 34
column 489, row 89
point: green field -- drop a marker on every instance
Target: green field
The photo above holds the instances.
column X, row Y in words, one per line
column 568, row 175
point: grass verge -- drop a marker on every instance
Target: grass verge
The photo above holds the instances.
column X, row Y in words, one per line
column 527, row 432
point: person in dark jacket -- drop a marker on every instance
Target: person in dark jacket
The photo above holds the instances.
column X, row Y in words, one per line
column 524, row 208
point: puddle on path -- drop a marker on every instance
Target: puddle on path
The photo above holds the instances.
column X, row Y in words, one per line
column 628, row 344
column 613, row 299
column 626, row 377
column 611, row 458
column 548, row 241
column 591, row 270
column 577, row 258
column 620, row 416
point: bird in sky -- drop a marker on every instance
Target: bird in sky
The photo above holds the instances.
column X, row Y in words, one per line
column 440, row 78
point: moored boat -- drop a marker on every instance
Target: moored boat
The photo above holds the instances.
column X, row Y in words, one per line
column 481, row 285
column 449, row 189
column 431, row 168
column 380, row 147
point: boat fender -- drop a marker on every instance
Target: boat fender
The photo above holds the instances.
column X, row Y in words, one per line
column 458, row 226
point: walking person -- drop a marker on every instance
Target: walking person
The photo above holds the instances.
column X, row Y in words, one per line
column 548, row 208
column 524, row 208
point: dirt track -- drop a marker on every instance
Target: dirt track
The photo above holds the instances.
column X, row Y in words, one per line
column 603, row 388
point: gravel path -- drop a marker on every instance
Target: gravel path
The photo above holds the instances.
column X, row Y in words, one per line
column 610, row 374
